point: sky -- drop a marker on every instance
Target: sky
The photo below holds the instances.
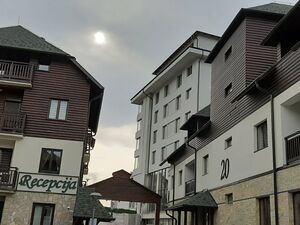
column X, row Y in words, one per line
column 140, row 35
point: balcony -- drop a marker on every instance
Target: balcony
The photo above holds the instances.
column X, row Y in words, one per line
column 16, row 73
column 189, row 187
column 8, row 179
column 12, row 123
column 293, row 147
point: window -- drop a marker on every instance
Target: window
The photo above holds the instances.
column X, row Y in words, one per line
column 179, row 80
column 228, row 142
column 163, row 153
column 228, row 89
column 262, row 135
column 155, row 116
column 189, row 70
column 58, row 109
column 156, row 97
column 138, row 142
column 12, row 106
column 50, row 160
column 180, row 178
column 166, row 110
column 264, row 211
column 228, row 53
column 154, row 136
column 44, row 64
column 164, row 132
column 178, row 102
column 153, row 157
column 188, row 93
column 205, row 165
column 5, row 158
column 176, row 145
column 2, row 200
column 136, row 162
column 229, row 198
column 187, row 115
column 139, row 125
column 42, row 214
column 296, row 199
column 166, row 90
column 177, row 121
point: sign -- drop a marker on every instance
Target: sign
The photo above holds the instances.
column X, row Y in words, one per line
column 47, row 184
column 225, row 168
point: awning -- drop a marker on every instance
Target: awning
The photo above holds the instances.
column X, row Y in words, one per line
column 85, row 203
column 200, row 200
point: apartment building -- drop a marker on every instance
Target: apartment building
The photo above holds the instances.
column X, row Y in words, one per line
column 245, row 148
column 49, row 112
column 180, row 88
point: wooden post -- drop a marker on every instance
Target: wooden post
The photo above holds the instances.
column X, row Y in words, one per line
column 157, row 212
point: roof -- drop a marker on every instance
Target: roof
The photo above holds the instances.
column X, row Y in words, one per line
column 286, row 27
column 273, row 11
column 21, row 38
column 180, row 49
column 203, row 116
column 84, row 206
column 200, row 200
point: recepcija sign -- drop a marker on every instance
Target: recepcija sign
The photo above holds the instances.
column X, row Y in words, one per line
column 49, row 184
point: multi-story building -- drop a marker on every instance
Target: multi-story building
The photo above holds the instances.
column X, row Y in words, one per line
column 49, row 111
column 180, row 88
column 246, row 148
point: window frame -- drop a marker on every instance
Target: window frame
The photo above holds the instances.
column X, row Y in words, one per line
column 58, row 109
column 178, row 101
column 180, row 177
column 42, row 218
column 165, row 110
column 179, row 81
column 261, row 202
column 153, row 157
column 229, row 198
column 155, row 117
column 257, row 138
column 188, row 93
column 228, row 90
column 156, row 98
column 205, row 165
column 163, row 151
column 187, row 115
column 189, row 70
column 154, row 136
column 228, row 142
column 228, row 53
column 47, row 171
column 166, row 90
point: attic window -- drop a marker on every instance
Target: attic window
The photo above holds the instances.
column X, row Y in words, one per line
column 228, row 89
column 228, row 53
column 44, row 64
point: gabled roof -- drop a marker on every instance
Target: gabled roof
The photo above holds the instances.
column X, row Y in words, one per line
column 181, row 49
column 287, row 27
column 84, row 206
column 272, row 11
column 200, row 200
column 20, row 38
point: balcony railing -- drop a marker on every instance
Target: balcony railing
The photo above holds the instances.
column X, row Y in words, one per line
column 16, row 71
column 12, row 123
column 89, row 142
column 293, row 147
column 8, row 178
column 189, row 187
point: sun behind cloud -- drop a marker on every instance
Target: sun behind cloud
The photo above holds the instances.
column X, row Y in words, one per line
column 99, row 38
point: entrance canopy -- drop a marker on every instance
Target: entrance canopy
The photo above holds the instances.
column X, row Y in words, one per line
column 200, row 200
column 120, row 187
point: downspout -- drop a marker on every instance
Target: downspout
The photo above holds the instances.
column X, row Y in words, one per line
column 273, row 150
column 172, row 217
column 88, row 119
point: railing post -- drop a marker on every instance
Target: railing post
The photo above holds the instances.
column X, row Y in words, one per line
column 10, row 70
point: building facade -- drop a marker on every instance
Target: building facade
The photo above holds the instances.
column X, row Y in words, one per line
column 180, row 88
column 49, row 111
column 246, row 149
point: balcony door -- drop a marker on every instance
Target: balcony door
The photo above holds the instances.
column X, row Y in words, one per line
column 297, row 208
column 5, row 158
column 12, row 106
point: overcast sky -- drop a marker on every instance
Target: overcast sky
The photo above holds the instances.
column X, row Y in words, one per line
column 140, row 35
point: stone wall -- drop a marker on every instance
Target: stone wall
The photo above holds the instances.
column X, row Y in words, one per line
column 18, row 207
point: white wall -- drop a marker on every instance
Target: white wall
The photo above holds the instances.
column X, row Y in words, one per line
column 27, row 154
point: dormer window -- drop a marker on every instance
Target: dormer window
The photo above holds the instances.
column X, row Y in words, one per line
column 228, row 89
column 228, row 53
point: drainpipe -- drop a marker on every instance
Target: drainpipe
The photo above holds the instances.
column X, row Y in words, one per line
column 273, row 150
column 172, row 217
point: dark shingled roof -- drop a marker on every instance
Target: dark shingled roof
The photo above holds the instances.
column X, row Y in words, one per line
column 202, row 116
column 21, row 38
column 84, row 206
column 273, row 8
column 199, row 200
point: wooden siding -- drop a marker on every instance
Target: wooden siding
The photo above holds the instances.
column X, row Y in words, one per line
column 63, row 81
column 259, row 58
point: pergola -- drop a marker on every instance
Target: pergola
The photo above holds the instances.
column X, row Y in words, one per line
column 120, row 187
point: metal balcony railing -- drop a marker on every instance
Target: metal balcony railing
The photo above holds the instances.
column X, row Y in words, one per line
column 16, row 71
column 293, row 147
column 12, row 122
column 8, row 178
column 189, row 187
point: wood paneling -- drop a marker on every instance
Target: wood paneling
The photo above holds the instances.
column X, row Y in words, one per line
column 65, row 82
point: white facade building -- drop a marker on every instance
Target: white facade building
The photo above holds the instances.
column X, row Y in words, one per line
column 180, row 88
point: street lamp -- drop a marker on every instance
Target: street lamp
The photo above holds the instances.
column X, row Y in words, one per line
column 94, row 195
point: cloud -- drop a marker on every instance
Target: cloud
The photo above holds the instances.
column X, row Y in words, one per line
column 113, row 151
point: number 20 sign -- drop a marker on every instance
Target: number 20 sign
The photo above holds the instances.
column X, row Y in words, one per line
column 225, row 168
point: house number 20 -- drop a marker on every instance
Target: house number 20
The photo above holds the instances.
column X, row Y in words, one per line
column 225, row 169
